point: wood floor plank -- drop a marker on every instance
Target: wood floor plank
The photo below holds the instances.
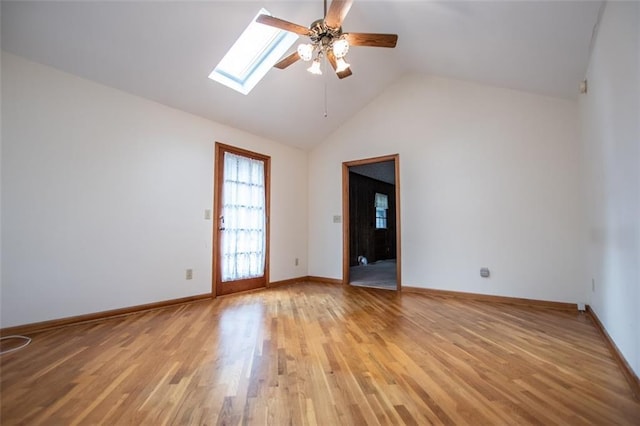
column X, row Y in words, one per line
column 316, row 354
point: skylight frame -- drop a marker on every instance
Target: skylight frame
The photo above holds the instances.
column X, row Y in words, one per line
column 242, row 70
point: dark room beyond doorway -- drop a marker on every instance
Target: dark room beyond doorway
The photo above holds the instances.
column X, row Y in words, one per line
column 372, row 239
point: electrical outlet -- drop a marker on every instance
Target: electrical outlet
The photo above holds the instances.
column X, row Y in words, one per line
column 189, row 274
column 207, row 214
column 296, row 262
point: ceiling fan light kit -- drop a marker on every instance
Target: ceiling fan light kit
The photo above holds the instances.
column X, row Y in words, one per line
column 341, row 65
column 340, row 48
column 327, row 39
column 305, row 51
column 315, row 67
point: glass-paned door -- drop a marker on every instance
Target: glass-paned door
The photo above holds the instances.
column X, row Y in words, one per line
column 242, row 220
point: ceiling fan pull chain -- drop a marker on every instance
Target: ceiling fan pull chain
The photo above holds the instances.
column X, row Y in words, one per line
column 324, row 64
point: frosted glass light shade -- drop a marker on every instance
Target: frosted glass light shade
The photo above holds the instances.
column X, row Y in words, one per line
column 305, row 51
column 315, row 67
column 340, row 48
column 341, row 65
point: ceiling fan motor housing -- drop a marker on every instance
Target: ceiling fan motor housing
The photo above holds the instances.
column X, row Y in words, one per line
column 322, row 34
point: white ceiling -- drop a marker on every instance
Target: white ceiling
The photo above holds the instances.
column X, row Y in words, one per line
column 164, row 51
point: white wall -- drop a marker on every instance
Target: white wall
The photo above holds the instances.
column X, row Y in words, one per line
column 489, row 177
column 103, row 197
column 1, row 187
column 610, row 121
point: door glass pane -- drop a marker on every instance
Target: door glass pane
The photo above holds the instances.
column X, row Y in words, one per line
column 243, row 210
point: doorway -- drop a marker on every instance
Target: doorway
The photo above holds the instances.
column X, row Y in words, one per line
column 371, row 222
column 241, row 226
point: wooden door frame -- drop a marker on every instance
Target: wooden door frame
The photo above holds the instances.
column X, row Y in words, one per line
column 218, row 161
column 345, row 213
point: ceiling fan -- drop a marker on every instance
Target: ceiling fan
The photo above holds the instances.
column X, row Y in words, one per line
column 327, row 39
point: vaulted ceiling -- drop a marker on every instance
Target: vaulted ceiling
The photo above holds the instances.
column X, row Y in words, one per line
column 164, row 51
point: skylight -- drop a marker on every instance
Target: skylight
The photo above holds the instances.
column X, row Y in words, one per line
column 257, row 49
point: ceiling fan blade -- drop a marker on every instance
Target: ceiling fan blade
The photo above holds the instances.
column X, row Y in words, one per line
column 282, row 24
column 332, row 60
column 337, row 12
column 374, row 40
column 287, row 61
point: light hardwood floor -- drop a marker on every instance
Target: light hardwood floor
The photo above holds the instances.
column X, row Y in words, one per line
column 321, row 354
